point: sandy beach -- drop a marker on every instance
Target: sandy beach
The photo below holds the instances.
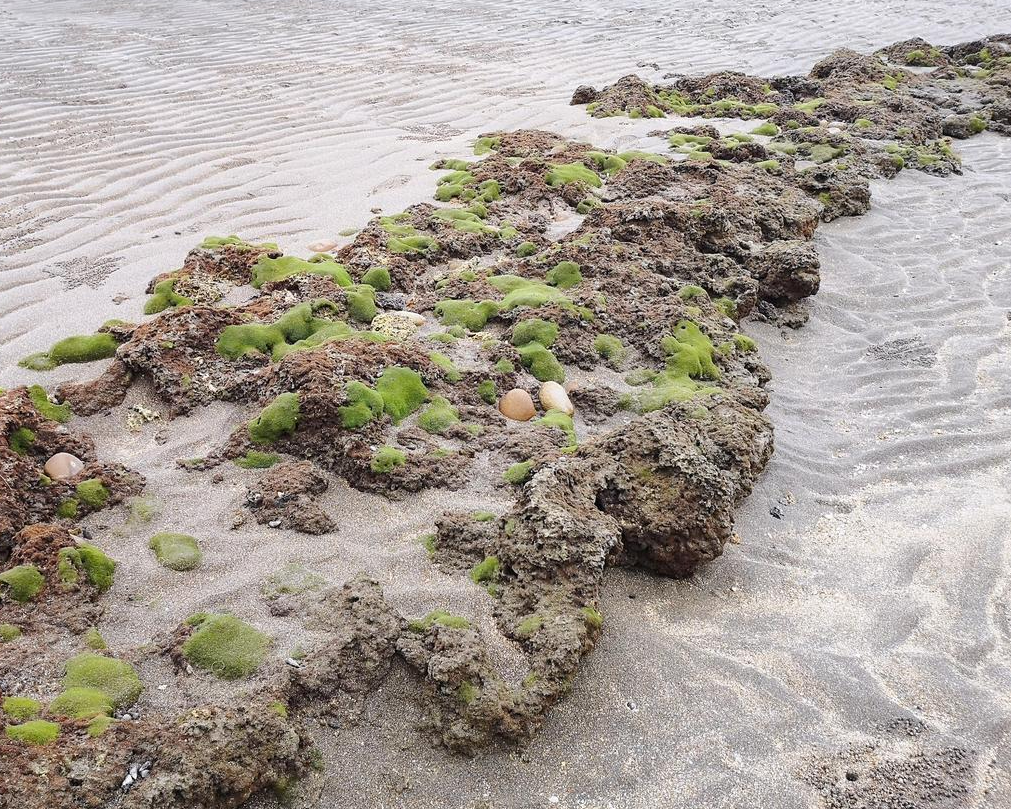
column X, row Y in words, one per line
column 850, row 648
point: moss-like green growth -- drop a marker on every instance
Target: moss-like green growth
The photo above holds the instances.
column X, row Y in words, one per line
column 533, row 330
column 592, row 617
column 690, row 352
column 488, row 391
column 92, row 493
column 9, row 632
column 364, row 405
column 387, row 459
column 93, row 640
column 277, row 419
column 768, row 128
column 485, row 571
column 727, row 306
column 176, row 551
column 504, row 366
column 81, row 703
column 378, row 278
column 921, row 58
column 254, row 459
column 233, row 241
column 564, row 173
column 563, row 421
column 810, row 105
column 21, row 708
column 361, row 303
column 98, row 726
column 467, row 692
column 402, row 390
column 977, row 124
column 679, row 140
column 529, row 625
column 165, row 297
column 428, row 543
column 526, row 249
column 446, row 365
column 609, row 347
column 440, row 617
column 486, row 144
column 58, row 413
column 266, row 270
column 524, row 292
column 37, row 732
column 21, row 440
column 227, row 647
column 116, row 679
column 67, row 510
column 564, row 275
column 518, row 473
column 439, row 416
column 587, row 204
column 85, row 348
column 744, row 343
column 541, row 362
column 771, row 166
column 472, row 315
column 96, row 565
column 23, row 582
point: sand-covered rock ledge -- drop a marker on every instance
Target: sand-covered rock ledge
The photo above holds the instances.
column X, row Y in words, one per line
column 357, row 424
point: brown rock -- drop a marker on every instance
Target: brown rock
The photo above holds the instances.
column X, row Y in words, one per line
column 63, row 465
column 517, row 405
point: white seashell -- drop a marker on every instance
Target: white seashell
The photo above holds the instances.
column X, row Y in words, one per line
column 554, row 397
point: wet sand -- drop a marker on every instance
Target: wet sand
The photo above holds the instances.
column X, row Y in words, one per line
column 865, row 631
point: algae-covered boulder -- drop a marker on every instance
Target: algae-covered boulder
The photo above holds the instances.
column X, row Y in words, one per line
column 226, row 646
column 116, row 679
column 176, row 551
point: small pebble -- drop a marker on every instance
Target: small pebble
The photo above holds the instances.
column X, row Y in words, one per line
column 517, row 405
column 322, row 247
column 63, row 465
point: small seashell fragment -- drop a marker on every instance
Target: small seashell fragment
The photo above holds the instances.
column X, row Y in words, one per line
column 324, row 246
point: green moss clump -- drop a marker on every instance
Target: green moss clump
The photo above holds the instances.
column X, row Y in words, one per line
column 977, row 124
column 745, row 343
column 81, row 703
column 67, row 509
column 98, row 726
column 593, row 617
column 690, row 352
column 37, row 732
column 918, row 58
column 116, row 679
column 428, row 543
column 679, row 140
column 9, row 632
column 541, row 362
column 402, row 390
column 227, row 647
column 267, row 269
column 529, row 625
column 21, row 708
column 233, row 241
column 518, row 473
column 387, row 459
column 176, row 551
column 472, row 315
column 86, row 348
column 609, row 347
column 485, row 571
column 277, row 419
column 165, row 297
column 560, row 420
column 364, row 405
column 440, row 617
column 564, row 275
column 439, row 416
column 526, row 249
column 254, row 459
column 810, row 105
column 21, row 440
column 486, row 144
column 446, row 365
column 93, row 640
column 23, row 582
column 58, row 413
column 524, row 292
column 97, row 566
column 361, row 303
column 768, row 128
column 142, row 510
column 563, row 174
column 488, row 391
column 378, row 278
column 92, row 493
column 504, row 366
column 533, row 330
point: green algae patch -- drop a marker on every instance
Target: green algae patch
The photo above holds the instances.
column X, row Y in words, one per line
column 536, row 330
column 361, row 303
column 768, row 129
column 745, row 343
column 439, row 416
column 428, row 543
column 268, row 269
column 176, row 551
column 528, row 626
column 237, row 243
column 564, row 275
column 92, row 493
column 67, row 509
column 21, row 440
column 9, row 632
column 85, row 348
column 21, row 708
column 485, row 571
column 226, row 646
column 38, row 732
column 165, row 297
column 93, row 640
column 526, row 249
column 446, row 365
column 277, row 419
column 504, row 366
column 690, row 352
column 23, row 582
column 402, row 390
column 254, row 459
column 364, row 405
column 472, row 315
column 564, row 173
column 539, row 360
column 518, row 473
column 560, row 420
column 609, row 347
column 58, row 413
column 486, row 144
column 386, row 460
column 378, row 278
column 81, row 702
column 592, row 617
column 116, row 679
column 488, row 391
column 440, row 617
column 98, row 726
column 97, row 566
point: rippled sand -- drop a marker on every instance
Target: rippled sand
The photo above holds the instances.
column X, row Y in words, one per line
column 865, row 631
